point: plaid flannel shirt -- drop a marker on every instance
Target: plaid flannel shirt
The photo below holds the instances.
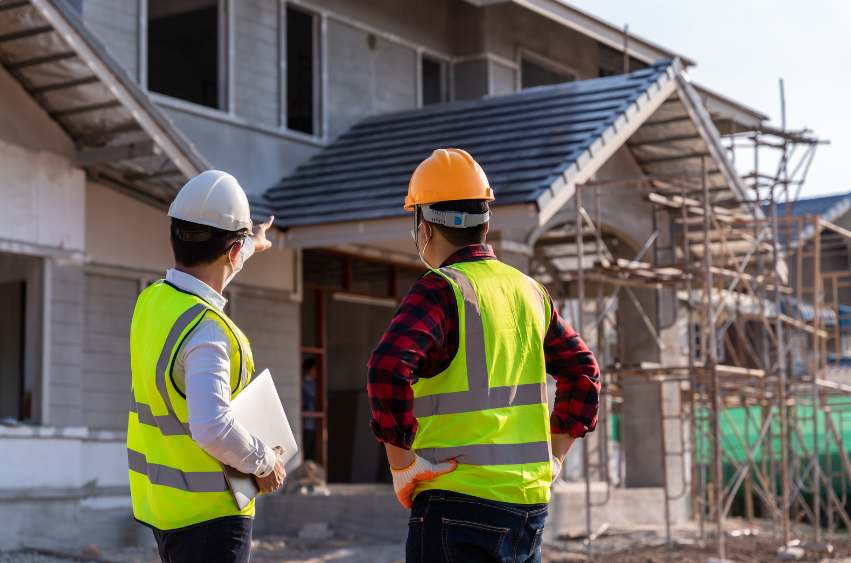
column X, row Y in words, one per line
column 422, row 340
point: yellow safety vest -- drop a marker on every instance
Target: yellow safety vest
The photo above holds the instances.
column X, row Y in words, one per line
column 173, row 482
column 488, row 410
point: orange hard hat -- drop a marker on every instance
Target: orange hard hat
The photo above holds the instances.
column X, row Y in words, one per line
column 447, row 175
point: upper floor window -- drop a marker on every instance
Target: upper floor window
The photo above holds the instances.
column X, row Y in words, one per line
column 186, row 50
column 302, row 76
column 533, row 74
column 432, row 81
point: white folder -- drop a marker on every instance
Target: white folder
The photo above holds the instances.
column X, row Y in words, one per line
column 258, row 408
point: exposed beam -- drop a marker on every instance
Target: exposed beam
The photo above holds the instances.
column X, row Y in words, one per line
column 666, row 140
column 85, row 109
column 96, row 136
column 154, row 175
column 42, row 60
column 65, row 85
column 674, row 158
column 685, row 119
column 119, row 152
column 25, row 33
column 12, row 4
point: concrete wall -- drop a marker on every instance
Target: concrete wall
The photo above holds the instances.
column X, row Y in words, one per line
column 42, row 192
column 367, row 75
column 372, row 511
column 510, row 28
column 116, row 23
column 257, row 72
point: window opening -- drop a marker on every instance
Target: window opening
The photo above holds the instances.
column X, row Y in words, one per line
column 432, row 81
column 14, row 400
column 300, row 71
column 536, row 75
column 185, row 50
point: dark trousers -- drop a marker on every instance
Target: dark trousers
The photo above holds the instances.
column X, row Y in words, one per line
column 219, row 541
column 447, row 527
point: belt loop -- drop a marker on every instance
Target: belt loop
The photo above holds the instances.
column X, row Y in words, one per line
column 442, row 495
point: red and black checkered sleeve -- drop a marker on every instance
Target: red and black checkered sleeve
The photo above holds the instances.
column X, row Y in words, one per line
column 577, row 377
column 407, row 351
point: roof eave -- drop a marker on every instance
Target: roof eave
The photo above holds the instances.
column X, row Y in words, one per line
column 595, row 28
column 703, row 121
column 730, row 108
column 329, row 234
column 172, row 142
column 563, row 185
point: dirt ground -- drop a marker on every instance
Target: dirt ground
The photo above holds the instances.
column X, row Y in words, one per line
column 754, row 543
column 740, row 550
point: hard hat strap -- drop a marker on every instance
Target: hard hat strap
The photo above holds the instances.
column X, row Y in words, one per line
column 453, row 218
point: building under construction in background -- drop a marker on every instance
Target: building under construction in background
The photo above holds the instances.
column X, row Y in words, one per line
column 760, row 289
column 660, row 215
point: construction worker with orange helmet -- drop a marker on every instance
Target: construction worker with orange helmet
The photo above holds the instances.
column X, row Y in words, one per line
column 188, row 361
column 458, row 382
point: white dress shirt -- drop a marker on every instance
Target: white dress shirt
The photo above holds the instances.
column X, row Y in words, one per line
column 203, row 362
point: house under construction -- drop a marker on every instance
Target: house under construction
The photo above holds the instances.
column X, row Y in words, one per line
column 707, row 293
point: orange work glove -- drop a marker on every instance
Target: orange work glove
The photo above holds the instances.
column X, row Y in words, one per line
column 404, row 480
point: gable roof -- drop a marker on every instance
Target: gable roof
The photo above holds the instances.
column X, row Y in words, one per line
column 535, row 146
column 522, row 140
column 121, row 137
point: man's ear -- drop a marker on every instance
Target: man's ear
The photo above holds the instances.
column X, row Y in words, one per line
column 234, row 251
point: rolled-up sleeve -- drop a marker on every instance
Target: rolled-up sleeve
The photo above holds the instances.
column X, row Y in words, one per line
column 417, row 329
column 577, row 376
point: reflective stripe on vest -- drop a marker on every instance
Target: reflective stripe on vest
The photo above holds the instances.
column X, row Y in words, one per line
column 488, row 409
column 190, row 481
column 174, row 483
column 481, row 397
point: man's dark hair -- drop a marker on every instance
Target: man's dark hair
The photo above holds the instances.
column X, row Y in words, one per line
column 469, row 235
column 308, row 364
column 200, row 245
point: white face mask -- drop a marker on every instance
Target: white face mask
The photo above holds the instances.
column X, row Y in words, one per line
column 235, row 268
column 415, row 234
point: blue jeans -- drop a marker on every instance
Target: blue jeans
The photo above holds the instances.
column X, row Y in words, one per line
column 447, row 527
column 227, row 540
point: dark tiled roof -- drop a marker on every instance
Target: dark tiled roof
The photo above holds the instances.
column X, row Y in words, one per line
column 522, row 140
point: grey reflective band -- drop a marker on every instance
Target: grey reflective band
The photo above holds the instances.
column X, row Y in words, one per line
column 180, row 325
column 474, row 331
column 479, row 396
column 480, row 400
column 454, row 219
column 191, row 481
column 168, row 425
column 491, row 454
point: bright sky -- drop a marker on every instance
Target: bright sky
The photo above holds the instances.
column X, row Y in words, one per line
column 742, row 47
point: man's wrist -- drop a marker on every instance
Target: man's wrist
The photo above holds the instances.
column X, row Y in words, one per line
column 267, row 466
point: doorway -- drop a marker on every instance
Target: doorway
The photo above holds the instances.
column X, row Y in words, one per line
column 349, row 302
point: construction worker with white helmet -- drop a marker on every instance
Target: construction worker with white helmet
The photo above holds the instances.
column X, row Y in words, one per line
column 188, row 361
column 458, row 382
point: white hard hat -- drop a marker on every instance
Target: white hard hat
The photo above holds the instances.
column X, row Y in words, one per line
column 212, row 198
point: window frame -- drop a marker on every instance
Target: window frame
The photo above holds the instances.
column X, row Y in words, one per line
column 319, row 32
column 544, row 62
column 225, row 58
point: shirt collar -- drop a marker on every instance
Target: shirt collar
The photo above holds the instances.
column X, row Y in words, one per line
column 473, row 253
column 194, row 285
